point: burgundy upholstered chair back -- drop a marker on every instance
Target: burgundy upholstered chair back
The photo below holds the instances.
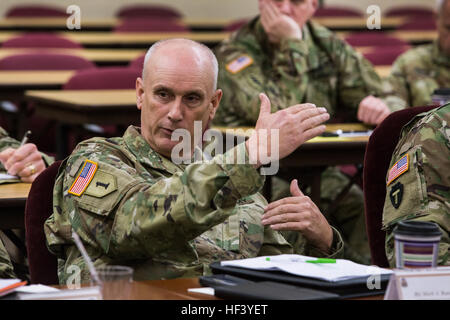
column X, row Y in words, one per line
column 372, row 39
column 235, row 25
column 151, row 25
column 376, row 162
column 44, row 61
column 332, row 11
column 409, row 11
column 103, row 78
column 385, row 55
column 42, row 264
column 40, row 40
column 137, row 63
column 36, row 11
column 161, row 11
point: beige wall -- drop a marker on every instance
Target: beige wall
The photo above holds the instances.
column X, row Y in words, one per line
column 198, row 8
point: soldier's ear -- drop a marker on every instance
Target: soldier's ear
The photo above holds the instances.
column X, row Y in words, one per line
column 215, row 101
column 139, row 92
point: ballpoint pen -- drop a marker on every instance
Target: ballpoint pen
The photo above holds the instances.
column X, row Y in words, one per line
column 25, row 138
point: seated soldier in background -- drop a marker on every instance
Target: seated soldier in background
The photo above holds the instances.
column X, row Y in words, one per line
column 24, row 161
column 294, row 60
column 131, row 204
column 417, row 73
column 422, row 191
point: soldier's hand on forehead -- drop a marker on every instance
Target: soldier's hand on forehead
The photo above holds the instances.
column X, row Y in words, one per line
column 277, row 25
column 372, row 110
column 25, row 162
column 294, row 126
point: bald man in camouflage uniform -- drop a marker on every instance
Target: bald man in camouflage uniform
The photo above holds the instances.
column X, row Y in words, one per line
column 422, row 192
column 421, row 70
column 168, row 220
column 309, row 64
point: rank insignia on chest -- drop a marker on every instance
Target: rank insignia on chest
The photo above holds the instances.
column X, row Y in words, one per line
column 84, row 178
column 239, row 64
column 396, row 195
column 399, row 168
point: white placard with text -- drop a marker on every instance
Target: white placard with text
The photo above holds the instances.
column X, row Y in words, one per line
column 419, row 284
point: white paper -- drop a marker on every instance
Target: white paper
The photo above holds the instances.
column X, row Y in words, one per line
column 206, row 290
column 36, row 288
column 5, row 176
column 419, row 284
column 297, row 265
column 7, row 282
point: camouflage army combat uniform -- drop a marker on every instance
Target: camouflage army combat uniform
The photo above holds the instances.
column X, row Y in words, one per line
column 164, row 220
column 416, row 74
column 319, row 69
column 422, row 191
column 6, row 267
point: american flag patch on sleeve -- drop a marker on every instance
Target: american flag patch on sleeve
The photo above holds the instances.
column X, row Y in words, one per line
column 239, row 64
column 84, row 178
column 399, row 168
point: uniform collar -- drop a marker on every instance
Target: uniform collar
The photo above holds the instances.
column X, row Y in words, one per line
column 145, row 154
column 438, row 56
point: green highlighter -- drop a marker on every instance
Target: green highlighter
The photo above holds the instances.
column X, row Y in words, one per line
column 322, row 260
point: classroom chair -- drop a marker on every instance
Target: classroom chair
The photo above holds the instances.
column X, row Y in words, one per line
column 409, row 11
column 22, row 11
column 337, row 11
column 150, row 25
column 40, row 40
column 98, row 79
column 376, row 164
column 154, row 10
column 39, row 206
column 235, row 25
column 383, row 56
column 373, row 39
column 137, row 63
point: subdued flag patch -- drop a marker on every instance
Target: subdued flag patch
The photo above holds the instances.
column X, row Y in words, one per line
column 399, row 168
column 84, row 178
column 239, row 64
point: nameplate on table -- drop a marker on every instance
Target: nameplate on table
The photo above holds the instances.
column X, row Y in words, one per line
column 419, row 284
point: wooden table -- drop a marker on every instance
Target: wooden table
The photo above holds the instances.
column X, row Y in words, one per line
column 13, row 197
column 414, row 37
column 195, row 24
column 98, row 56
column 129, row 39
column 14, row 83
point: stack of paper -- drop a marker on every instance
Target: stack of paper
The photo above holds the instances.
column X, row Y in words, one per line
column 9, row 285
column 301, row 266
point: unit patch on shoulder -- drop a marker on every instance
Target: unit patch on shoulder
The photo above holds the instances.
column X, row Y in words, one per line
column 399, row 168
column 84, row 178
column 239, row 64
column 103, row 184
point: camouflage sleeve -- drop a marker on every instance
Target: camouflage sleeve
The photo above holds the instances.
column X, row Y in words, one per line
column 396, row 87
column 138, row 216
column 243, row 83
column 422, row 192
column 6, row 267
column 357, row 78
column 6, row 141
